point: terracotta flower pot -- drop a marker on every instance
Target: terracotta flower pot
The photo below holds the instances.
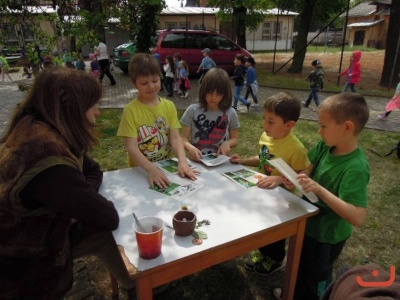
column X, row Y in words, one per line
column 184, row 222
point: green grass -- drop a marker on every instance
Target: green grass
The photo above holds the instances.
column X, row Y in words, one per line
column 377, row 241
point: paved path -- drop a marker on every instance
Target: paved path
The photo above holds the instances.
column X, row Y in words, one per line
column 118, row 96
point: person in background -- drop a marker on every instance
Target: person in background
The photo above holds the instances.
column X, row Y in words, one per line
column 94, row 65
column 206, row 63
column 104, row 62
column 177, row 59
column 251, row 80
column 68, row 59
column 50, row 209
column 316, row 79
column 393, row 103
column 150, row 125
column 169, row 69
column 281, row 113
column 4, row 67
column 238, row 78
column 80, row 62
column 183, row 77
column 353, row 72
column 339, row 176
column 211, row 126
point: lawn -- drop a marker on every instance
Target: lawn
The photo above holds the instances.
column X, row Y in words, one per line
column 377, row 241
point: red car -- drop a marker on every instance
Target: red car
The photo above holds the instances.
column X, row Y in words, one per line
column 190, row 43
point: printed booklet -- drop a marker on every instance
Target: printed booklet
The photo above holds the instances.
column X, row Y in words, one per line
column 291, row 175
column 178, row 191
column 213, row 159
column 244, row 177
column 170, row 165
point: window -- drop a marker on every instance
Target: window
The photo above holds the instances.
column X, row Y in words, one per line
column 173, row 40
column 184, row 25
column 170, row 25
column 27, row 33
column 270, row 29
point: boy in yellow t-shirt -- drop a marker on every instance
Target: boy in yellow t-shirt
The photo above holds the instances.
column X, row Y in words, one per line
column 150, row 125
column 281, row 112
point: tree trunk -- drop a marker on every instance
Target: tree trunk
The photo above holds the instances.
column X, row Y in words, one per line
column 301, row 41
column 391, row 64
column 240, row 25
column 94, row 6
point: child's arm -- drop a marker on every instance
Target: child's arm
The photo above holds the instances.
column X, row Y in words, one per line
column 193, row 152
column 251, row 162
column 155, row 175
column 226, row 146
column 183, row 168
column 355, row 215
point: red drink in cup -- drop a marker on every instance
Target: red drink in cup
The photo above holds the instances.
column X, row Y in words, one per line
column 149, row 242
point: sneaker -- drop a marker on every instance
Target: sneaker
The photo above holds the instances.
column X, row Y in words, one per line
column 248, row 107
column 112, row 84
column 277, row 292
column 304, row 103
column 254, row 104
column 256, row 257
column 381, row 116
column 235, row 108
column 186, row 94
column 267, row 266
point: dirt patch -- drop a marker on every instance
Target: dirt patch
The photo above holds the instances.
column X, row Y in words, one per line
column 371, row 64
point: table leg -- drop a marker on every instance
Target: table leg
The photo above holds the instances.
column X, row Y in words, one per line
column 293, row 259
column 144, row 288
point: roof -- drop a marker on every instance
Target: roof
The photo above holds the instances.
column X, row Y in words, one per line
column 213, row 11
column 361, row 10
column 365, row 23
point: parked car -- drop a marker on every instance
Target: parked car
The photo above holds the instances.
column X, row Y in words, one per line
column 190, row 43
column 123, row 54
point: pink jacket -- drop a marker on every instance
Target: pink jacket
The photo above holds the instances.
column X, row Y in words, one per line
column 355, row 67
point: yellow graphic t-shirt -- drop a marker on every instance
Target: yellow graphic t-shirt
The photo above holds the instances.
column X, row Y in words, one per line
column 150, row 125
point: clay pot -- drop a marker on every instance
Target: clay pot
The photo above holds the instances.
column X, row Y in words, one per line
column 184, row 222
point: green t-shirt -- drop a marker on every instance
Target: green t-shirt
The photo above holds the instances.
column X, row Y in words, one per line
column 347, row 177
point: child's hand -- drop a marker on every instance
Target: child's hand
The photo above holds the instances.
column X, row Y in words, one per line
column 269, row 182
column 194, row 154
column 158, row 177
column 185, row 171
column 308, row 184
column 224, row 148
column 235, row 158
column 287, row 183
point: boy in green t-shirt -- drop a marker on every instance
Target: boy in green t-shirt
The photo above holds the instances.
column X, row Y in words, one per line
column 281, row 112
column 338, row 175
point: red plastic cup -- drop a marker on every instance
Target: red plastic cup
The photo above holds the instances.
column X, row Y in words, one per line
column 149, row 242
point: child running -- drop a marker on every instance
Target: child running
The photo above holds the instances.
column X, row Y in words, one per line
column 211, row 126
column 150, row 125
column 316, row 79
column 94, row 65
column 353, row 72
column 251, row 80
column 393, row 103
column 238, row 78
column 169, row 69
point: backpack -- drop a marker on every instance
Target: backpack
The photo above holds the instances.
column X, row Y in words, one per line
column 397, row 149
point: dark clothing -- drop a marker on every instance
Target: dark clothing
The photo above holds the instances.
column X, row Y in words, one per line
column 238, row 75
column 48, row 200
column 105, row 70
column 315, row 269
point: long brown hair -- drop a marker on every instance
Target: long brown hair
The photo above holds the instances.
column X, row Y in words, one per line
column 61, row 97
column 216, row 80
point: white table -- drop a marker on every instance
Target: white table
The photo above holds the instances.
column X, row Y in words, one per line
column 241, row 220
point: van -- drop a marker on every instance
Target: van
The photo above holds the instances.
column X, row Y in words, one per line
column 189, row 44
